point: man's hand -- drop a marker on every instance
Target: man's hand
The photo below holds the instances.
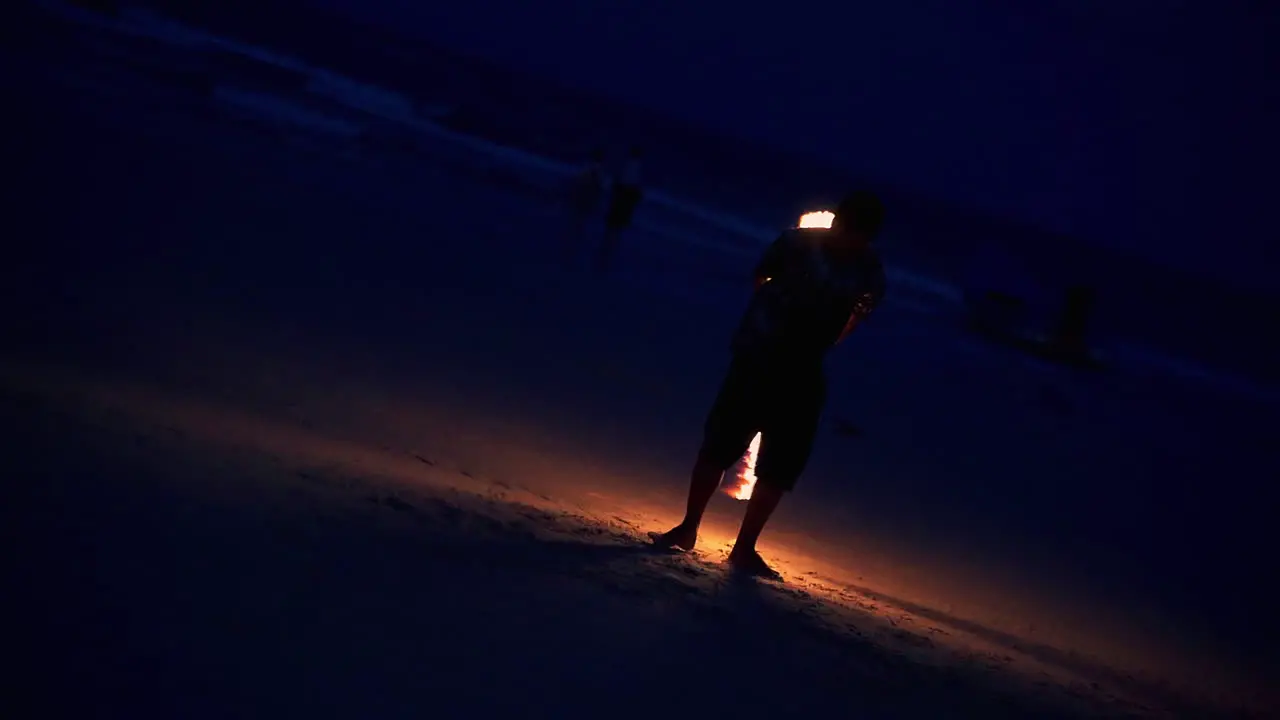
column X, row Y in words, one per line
column 861, row 309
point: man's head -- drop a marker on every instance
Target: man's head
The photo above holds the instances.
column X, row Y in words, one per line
column 859, row 216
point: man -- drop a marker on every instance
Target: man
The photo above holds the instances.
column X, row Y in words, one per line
column 622, row 205
column 813, row 286
column 586, row 190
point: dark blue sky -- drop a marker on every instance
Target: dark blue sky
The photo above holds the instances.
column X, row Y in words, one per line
column 1148, row 125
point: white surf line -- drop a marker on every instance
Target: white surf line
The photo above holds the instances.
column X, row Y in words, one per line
column 275, row 107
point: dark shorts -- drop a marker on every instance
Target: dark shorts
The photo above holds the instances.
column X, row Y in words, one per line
column 783, row 404
column 622, row 205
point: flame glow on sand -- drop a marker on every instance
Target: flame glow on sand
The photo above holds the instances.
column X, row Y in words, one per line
column 744, row 480
column 817, row 219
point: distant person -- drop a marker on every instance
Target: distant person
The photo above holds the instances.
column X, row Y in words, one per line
column 1068, row 340
column 813, row 286
column 623, row 199
column 585, row 196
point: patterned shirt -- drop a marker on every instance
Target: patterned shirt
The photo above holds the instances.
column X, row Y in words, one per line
column 813, row 289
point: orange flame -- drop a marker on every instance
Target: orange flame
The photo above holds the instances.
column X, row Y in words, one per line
column 744, row 480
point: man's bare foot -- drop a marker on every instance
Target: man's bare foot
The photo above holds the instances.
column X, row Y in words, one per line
column 749, row 562
column 679, row 537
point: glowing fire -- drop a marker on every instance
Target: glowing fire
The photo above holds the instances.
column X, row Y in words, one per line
column 817, row 219
column 744, row 480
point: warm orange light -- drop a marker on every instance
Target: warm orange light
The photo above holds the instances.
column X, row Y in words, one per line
column 744, row 480
column 817, row 219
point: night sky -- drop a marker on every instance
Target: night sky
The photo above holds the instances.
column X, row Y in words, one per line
column 1146, row 125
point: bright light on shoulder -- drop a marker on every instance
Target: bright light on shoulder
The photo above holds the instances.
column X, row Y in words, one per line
column 817, row 219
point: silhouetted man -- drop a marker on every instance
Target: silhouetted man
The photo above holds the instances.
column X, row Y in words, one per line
column 586, row 191
column 813, row 286
column 623, row 200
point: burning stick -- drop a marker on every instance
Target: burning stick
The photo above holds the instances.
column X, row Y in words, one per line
column 744, row 479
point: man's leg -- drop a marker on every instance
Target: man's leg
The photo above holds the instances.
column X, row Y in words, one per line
column 609, row 238
column 744, row 557
column 786, row 442
column 764, row 500
column 728, row 430
column 622, row 206
column 705, row 479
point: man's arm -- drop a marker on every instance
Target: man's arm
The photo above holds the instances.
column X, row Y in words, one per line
column 864, row 304
column 772, row 261
column 860, row 310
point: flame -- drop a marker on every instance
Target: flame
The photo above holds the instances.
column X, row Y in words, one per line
column 817, row 219
column 744, row 481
